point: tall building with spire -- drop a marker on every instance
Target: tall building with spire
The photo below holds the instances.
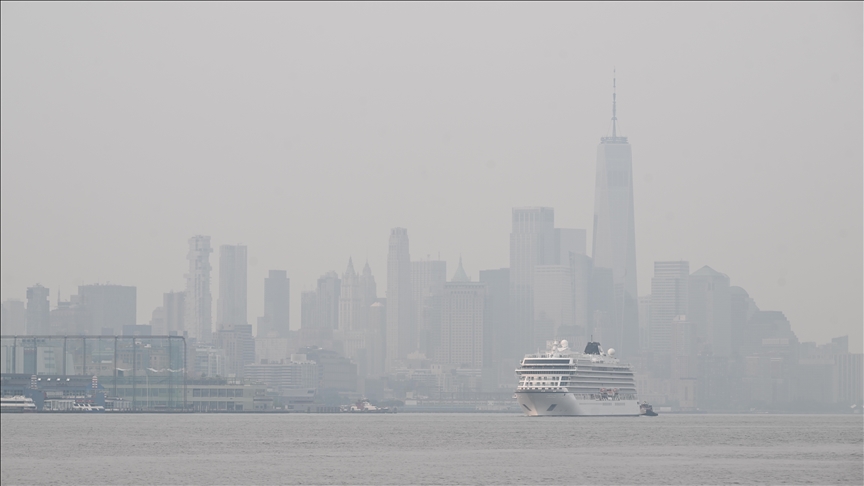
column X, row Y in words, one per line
column 614, row 239
column 199, row 302
column 400, row 314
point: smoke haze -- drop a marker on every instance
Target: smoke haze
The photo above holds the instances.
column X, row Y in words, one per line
column 308, row 131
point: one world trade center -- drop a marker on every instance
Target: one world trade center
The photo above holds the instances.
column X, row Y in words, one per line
column 614, row 303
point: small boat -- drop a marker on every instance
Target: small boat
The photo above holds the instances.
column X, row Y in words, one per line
column 87, row 407
column 363, row 406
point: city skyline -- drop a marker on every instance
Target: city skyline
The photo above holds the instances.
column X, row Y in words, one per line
column 736, row 207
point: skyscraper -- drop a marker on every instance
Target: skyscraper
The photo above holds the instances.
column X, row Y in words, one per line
column 400, row 314
column 352, row 314
column 533, row 241
column 614, row 237
column 644, row 322
column 581, row 267
column 38, row 310
column 277, row 302
column 553, row 302
column 375, row 322
column 174, row 306
column 669, row 288
column 308, row 309
column 569, row 240
column 108, row 307
column 199, row 302
column 462, row 319
column 231, row 307
column 497, row 330
column 742, row 308
column 709, row 308
column 427, row 286
column 13, row 318
column 368, row 287
column 234, row 335
column 238, row 345
column 70, row 317
column 327, row 301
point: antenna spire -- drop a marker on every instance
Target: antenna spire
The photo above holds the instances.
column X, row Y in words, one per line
column 614, row 108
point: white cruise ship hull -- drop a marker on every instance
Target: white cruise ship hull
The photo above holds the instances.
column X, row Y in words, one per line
column 542, row 404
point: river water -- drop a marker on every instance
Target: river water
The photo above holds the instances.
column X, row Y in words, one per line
column 441, row 448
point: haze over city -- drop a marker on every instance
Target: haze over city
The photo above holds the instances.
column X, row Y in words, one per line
column 306, row 132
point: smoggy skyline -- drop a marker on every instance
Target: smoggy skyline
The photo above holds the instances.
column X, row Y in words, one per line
column 307, row 132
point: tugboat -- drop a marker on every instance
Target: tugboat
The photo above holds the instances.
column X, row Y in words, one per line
column 647, row 410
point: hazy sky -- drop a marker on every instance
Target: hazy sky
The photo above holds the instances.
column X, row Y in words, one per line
column 307, row 131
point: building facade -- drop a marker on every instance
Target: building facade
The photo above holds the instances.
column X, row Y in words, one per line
column 296, row 373
column 238, row 346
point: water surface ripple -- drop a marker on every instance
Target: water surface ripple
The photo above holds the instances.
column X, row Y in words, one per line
column 430, row 449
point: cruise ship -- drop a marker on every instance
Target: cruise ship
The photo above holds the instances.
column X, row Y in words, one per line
column 562, row 382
